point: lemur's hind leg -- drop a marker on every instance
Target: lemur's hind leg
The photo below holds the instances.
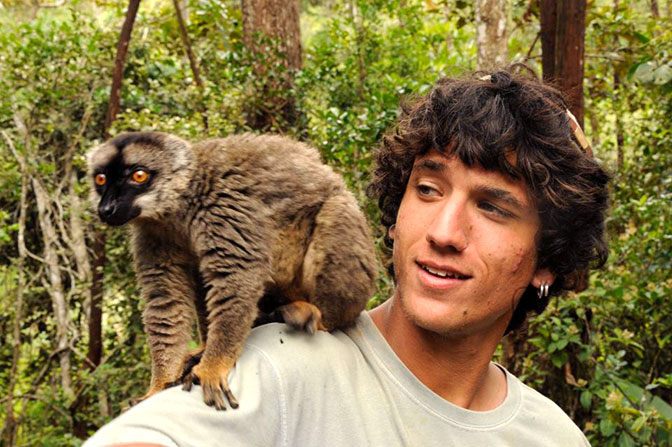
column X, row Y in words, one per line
column 290, row 309
column 300, row 315
column 339, row 268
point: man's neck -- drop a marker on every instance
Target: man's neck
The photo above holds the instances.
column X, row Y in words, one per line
column 456, row 368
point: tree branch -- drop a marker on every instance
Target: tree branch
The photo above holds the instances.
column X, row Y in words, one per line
column 534, row 42
column 119, row 63
column 192, row 59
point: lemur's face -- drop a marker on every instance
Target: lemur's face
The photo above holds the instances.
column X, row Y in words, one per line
column 132, row 176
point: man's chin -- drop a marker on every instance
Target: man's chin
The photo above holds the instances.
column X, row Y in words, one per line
column 434, row 317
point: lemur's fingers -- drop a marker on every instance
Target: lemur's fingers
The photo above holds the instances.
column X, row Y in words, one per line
column 213, row 395
column 229, row 395
column 213, row 380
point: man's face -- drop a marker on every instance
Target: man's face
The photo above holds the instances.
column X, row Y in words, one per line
column 464, row 247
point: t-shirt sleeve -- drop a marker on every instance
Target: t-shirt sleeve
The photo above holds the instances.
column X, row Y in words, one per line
column 176, row 418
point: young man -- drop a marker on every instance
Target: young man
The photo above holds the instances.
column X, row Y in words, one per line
column 491, row 205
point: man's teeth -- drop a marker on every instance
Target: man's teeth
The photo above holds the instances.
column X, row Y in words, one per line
column 443, row 274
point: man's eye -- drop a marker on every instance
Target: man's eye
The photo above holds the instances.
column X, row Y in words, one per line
column 490, row 208
column 425, row 190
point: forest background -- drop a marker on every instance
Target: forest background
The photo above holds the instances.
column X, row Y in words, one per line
column 73, row 349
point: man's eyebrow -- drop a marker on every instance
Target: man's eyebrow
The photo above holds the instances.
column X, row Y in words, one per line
column 501, row 195
column 430, row 165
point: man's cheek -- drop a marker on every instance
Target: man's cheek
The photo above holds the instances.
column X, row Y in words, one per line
column 522, row 259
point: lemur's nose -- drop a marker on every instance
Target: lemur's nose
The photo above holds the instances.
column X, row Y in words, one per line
column 106, row 210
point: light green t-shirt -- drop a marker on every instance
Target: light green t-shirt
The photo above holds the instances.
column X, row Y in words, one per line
column 345, row 389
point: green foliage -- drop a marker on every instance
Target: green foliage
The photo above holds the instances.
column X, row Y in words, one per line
column 603, row 355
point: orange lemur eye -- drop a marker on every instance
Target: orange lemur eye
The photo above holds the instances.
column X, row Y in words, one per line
column 100, row 179
column 140, row 176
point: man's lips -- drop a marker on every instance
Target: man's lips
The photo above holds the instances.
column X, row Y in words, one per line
column 442, row 271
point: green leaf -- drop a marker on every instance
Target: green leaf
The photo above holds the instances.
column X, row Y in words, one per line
column 607, row 428
column 558, row 362
column 626, row 441
column 586, row 399
column 645, row 72
column 639, row 423
column 642, row 38
column 637, row 394
column 663, row 74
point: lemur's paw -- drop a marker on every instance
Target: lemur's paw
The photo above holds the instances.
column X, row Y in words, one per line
column 213, row 381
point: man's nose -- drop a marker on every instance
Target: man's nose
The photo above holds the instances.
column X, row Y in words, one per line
column 448, row 227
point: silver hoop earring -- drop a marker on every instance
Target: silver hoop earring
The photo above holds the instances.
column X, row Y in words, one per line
column 543, row 290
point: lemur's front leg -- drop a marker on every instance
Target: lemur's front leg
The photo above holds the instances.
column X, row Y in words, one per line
column 234, row 265
column 168, row 286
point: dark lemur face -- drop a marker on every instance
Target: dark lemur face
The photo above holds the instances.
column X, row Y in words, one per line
column 118, row 186
column 134, row 174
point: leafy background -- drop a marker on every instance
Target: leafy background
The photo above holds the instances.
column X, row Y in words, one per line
column 604, row 355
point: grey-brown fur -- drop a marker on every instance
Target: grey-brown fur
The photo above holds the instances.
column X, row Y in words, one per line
column 224, row 223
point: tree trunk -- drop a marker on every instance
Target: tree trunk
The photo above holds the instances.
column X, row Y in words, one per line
column 59, row 302
column 96, row 316
column 548, row 18
column 10, row 427
column 619, row 125
column 78, row 240
column 50, row 241
column 491, row 43
column 277, row 21
column 617, row 112
column 563, row 27
column 654, row 8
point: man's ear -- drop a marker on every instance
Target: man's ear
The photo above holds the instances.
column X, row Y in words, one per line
column 391, row 231
column 542, row 276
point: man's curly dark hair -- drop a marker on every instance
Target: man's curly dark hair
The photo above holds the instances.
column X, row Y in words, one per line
column 491, row 121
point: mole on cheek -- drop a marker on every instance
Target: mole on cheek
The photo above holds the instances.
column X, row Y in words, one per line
column 464, row 313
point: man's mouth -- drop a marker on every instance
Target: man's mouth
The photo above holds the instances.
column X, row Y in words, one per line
column 441, row 273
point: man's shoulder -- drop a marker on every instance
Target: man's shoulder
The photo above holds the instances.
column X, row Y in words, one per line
column 538, row 402
column 288, row 348
column 548, row 418
column 308, row 371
